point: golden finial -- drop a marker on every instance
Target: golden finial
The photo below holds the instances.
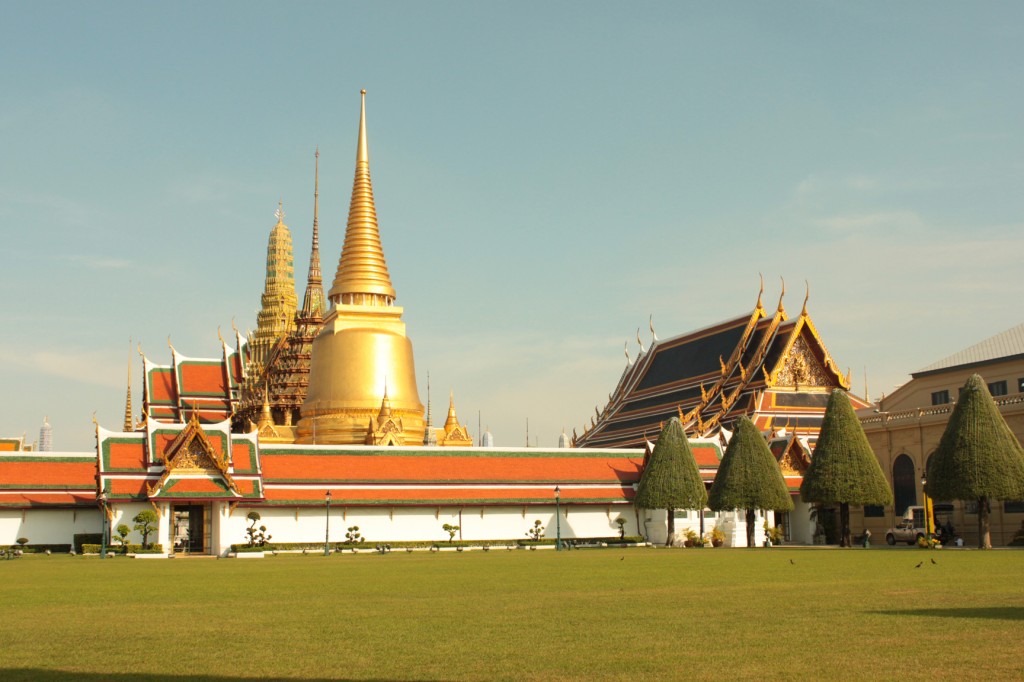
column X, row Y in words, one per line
column 141, row 354
column 760, row 292
column 170, row 346
column 362, row 275
column 654, row 336
column 803, row 312
column 220, row 337
column 625, row 349
column 639, row 342
column 782, row 295
column 279, row 213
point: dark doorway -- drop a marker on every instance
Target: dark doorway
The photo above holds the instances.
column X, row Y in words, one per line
column 904, row 484
column 189, row 529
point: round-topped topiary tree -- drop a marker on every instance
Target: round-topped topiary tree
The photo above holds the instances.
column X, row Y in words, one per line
column 749, row 477
column 670, row 479
column 978, row 457
column 844, row 469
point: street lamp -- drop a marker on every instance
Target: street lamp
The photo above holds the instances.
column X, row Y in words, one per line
column 327, row 536
column 558, row 520
column 103, row 521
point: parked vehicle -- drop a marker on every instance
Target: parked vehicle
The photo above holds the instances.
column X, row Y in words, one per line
column 909, row 529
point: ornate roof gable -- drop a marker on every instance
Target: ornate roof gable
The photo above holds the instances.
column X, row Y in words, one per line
column 804, row 361
column 192, row 454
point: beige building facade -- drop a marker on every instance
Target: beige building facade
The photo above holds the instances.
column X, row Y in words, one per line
column 904, row 429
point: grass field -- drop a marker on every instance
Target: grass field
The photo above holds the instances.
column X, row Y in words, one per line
column 793, row 614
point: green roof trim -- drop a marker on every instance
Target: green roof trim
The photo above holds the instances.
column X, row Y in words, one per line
column 490, row 453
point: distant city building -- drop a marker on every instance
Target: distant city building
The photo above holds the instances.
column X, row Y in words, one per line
column 46, row 436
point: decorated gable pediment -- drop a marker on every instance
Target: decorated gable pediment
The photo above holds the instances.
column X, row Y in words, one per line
column 792, row 456
column 801, row 369
column 192, row 456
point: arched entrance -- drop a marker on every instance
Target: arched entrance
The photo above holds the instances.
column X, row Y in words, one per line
column 904, row 484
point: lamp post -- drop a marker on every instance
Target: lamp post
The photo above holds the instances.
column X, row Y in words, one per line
column 103, row 521
column 558, row 520
column 327, row 535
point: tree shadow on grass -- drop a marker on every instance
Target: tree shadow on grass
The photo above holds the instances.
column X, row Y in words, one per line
column 18, row 674
column 987, row 612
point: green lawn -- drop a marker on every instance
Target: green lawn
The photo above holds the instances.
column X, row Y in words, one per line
column 792, row 614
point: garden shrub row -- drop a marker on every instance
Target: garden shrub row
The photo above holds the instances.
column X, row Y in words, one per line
column 424, row 544
column 39, row 549
column 91, row 548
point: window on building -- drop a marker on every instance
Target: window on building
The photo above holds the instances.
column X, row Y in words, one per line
column 997, row 388
column 940, row 397
column 971, row 507
column 1020, row 385
column 874, row 511
column 681, row 514
column 1013, row 506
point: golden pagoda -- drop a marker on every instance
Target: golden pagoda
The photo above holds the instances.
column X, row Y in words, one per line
column 276, row 318
column 362, row 361
column 288, row 371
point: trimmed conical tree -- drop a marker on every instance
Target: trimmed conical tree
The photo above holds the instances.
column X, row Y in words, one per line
column 978, row 457
column 671, row 479
column 844, row 469
column 749, row 477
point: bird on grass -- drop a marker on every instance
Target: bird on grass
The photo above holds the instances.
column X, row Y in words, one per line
column 792, row 562
column 622, row 558
column 919, row 565
column 935, row 562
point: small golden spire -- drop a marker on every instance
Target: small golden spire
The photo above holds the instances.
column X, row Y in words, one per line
column 452, row 421
column 803, row 311
column 385, row 406
column 129, row 425
column 760, row 292
column 782, row 295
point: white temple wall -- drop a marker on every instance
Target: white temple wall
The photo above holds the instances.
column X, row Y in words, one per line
column 425, row 524
column 47, row 526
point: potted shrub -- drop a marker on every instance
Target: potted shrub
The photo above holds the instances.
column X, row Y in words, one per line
column 692, row 539
column 717, row 537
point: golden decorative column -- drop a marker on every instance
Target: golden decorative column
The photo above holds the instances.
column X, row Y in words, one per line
column 362, row 352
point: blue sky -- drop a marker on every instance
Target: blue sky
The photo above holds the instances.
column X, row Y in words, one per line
column 547, row 177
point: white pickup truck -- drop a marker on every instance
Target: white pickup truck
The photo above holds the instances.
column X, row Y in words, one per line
column 910, row 529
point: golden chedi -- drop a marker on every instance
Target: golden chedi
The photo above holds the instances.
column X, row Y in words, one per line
column 362, row 357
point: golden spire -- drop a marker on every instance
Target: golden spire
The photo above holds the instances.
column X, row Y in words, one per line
column 313, row 302
column 452, row 420
column 129, row 425
column 362, row 277
column 385, row 406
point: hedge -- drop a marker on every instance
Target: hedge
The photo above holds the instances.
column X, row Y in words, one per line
column 80, row 539
column 91, row 548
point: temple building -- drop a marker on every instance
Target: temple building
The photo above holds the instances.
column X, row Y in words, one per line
column 768, row 366
column 315, row 422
